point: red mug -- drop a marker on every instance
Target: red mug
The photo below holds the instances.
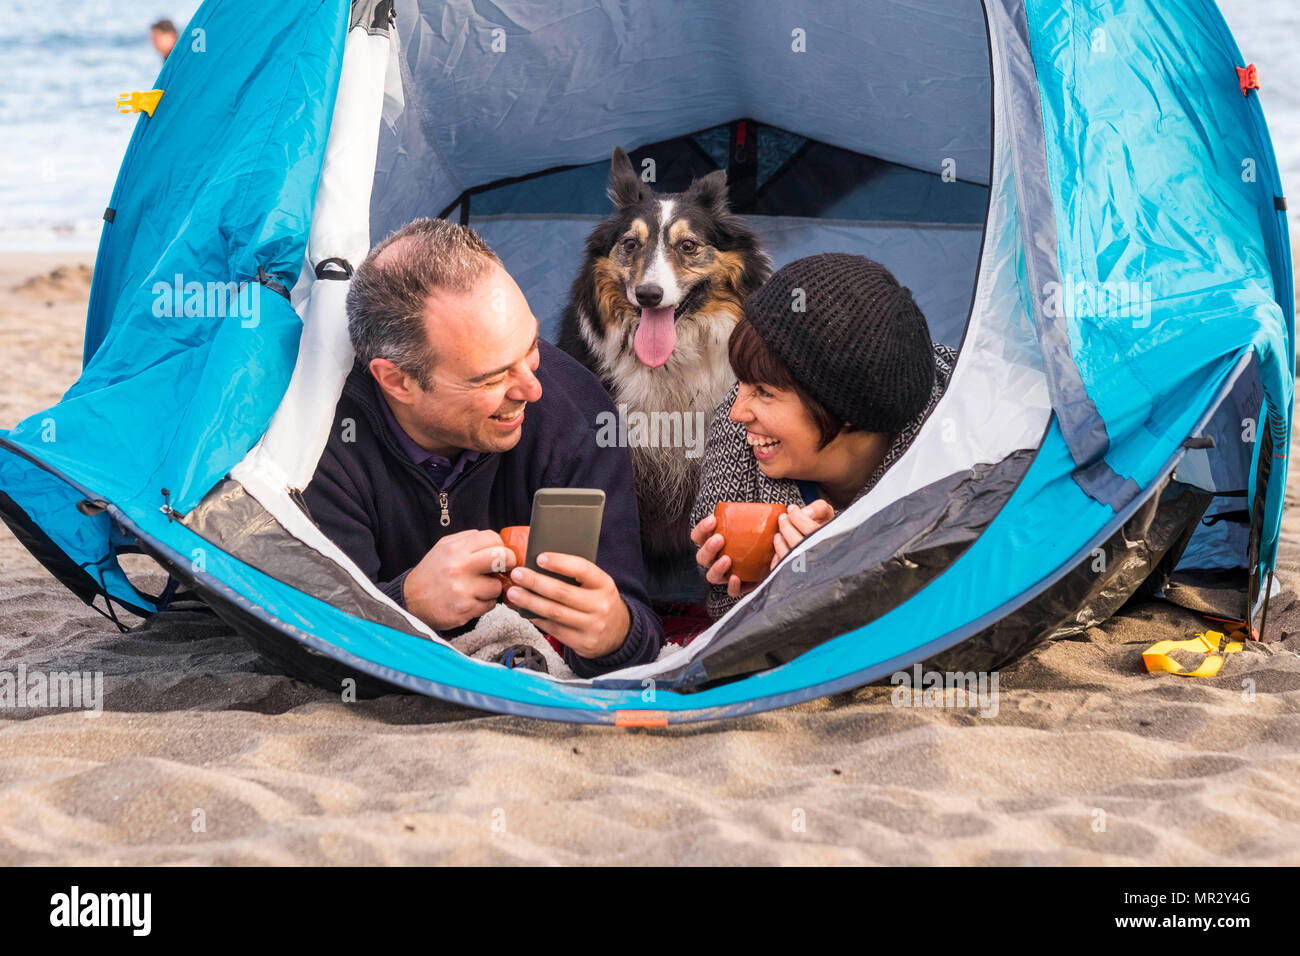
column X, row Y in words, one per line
column 515, row 538
column 748, row 529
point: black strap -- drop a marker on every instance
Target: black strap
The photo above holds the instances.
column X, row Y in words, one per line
column 108, row 600
column 111, row 615
column 162, row 599
column 343, row 270
column 271, row 282
column 1240, row 516
column 452, row 205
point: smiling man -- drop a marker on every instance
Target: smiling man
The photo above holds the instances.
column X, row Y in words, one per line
column 454, row 414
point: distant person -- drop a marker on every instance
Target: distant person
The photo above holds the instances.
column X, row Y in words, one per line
column 163, row 35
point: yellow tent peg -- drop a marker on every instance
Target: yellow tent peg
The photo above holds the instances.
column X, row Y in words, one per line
column 139, row 101
column 1156, row 657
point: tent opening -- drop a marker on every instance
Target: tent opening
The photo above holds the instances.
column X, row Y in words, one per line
column 880, row 144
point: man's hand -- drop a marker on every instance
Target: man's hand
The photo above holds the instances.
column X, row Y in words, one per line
column 716, row 568
column 797, row 523
column 454, row 582
column 590, row 617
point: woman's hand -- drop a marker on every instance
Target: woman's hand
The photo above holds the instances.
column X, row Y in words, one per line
column 710, row 557
column 797, row 523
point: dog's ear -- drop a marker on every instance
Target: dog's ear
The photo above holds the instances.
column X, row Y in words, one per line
column 711, row 192
column 624, row 184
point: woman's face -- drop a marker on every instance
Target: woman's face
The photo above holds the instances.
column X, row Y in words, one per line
column 782, row 435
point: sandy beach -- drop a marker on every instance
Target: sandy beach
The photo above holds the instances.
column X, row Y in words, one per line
column 204, row 755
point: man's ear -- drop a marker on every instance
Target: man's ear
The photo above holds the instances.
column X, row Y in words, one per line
column 625, row 188
column 393, row 380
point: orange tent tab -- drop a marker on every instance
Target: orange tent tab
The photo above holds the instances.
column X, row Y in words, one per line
column 640, row 718
column 1248, row 77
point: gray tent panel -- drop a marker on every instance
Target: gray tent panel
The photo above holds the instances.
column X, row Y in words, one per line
column 909, row 84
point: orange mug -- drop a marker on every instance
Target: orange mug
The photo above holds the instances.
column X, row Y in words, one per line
column 748, row 529
column 515, row 538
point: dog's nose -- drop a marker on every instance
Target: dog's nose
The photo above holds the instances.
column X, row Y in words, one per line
column 649, row 295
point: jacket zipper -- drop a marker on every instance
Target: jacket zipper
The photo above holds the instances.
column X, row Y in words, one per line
column 444, row 497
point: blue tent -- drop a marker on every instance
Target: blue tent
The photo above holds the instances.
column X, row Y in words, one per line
column 1083, row 197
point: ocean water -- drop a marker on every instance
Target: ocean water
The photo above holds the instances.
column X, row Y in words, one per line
column 62, row 65
column 61, row 139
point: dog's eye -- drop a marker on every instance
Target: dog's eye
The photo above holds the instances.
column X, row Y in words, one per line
column 688, row 246
column 629, row 245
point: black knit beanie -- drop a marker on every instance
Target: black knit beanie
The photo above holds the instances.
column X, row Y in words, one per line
column 860, row 345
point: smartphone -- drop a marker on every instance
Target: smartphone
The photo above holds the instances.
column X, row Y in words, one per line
column 564, row 521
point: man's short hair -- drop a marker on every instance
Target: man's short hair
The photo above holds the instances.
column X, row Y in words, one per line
column 164, row 26
column 390, row 288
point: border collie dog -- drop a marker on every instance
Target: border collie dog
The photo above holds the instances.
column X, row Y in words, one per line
column 661, row 287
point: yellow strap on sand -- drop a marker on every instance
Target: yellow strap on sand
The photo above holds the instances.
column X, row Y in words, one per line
column 139, row 101
column 1156, row 657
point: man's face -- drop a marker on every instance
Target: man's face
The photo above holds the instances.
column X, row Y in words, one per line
column 485, row 348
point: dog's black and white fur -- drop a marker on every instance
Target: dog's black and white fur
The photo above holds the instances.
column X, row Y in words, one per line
column 686, row 262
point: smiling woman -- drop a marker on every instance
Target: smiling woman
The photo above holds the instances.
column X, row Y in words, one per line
column 793, row 430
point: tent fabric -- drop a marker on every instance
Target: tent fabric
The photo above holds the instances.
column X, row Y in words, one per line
column 792, row 173
column 1073, row 432
column 483, row 80
column 1082, row 426
column 1188, row 128
column 174, row 402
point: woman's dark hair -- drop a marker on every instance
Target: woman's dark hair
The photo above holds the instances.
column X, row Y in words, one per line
column 755, row 364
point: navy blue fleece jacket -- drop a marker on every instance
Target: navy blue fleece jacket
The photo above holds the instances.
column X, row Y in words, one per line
column 383, row 510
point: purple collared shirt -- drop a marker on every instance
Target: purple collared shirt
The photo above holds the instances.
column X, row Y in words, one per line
column 439, row 468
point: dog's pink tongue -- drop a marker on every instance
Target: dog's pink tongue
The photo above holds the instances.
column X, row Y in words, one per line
column 655, row 336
